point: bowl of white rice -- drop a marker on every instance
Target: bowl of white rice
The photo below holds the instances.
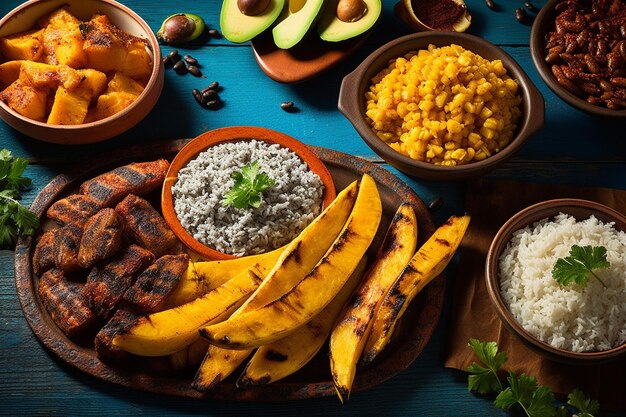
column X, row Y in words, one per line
column 204, row 172
column 581, row 321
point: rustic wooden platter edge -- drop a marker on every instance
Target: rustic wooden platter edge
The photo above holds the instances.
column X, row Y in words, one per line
column 413, row 334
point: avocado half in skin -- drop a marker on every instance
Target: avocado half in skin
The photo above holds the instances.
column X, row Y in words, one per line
column 295, row 21
column 238, row 27
column 332, row 29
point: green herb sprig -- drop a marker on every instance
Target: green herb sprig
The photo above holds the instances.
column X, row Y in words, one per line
column 580, row 264
column 249, row 184
column 15, row 219
column 535, row 400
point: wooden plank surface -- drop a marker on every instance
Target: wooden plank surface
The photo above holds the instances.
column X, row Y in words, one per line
column 573, row 148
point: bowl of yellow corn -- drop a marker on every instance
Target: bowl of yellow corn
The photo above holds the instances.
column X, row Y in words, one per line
column 442, row 105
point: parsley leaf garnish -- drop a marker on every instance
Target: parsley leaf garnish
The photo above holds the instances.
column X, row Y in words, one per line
column 535, row 400
column 15, row 219
column 249, row 184
column 579, row 264
column 586, row 406
column 485, row 379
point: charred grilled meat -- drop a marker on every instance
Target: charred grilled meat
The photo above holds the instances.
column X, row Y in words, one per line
column 135, row 178
column 66, row 246
column 65, row 303
column 145, row 226
column 102, row 238
column 122, row 320
column 44, row 257
column 106, row 284
column 155, row 283
column 75, row 209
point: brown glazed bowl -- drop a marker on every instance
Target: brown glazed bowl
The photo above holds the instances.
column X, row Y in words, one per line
column 580, row 210
column 544, row 23
column 354, row 86
column 25, row 16
column 232, row 134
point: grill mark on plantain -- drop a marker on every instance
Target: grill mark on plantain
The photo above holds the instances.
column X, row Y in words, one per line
column 360, row 329
column 295, row 255
column 275, row 356
column 443, row 242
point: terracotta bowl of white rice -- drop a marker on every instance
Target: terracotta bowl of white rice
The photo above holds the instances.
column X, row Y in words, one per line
column 571, row 323
column 201, row 176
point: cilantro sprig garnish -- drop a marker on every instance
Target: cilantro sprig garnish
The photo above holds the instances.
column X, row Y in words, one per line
column 523, row 391
column 15, row 219
column 579, row 265
column 249, row 184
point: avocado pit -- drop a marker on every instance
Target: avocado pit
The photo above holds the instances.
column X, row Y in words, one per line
column 351, row 10
column 252, row 7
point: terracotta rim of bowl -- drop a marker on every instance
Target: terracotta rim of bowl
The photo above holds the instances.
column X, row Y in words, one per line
column 154, row 85
column 518, row 221
column 351, row 104
column 232, row 134
column 544, row 22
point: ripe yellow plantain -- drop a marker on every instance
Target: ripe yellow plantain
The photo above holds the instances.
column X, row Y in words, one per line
column 280, row 317
column 168, row 331
column 348, row 338
column 287, row 355
column 190, row 356
column 298, row 258
column 429, row 261
column 201, row 277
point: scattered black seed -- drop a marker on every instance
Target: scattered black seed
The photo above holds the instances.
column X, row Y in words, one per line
column 287, row 106
column 490, row 4
column 190, row 60
column 520, row 14
column 195, row 71
column 214, row 33
column 209, row 95
column 198, row 96
column 213, row 86
column 215, row 104
column 435, row 204
column 172, row 58
column 530, row 6
column 180, row 67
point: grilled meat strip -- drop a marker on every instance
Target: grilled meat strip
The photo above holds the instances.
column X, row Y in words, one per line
column 145, row 226
column 121, row 321
column 63, row 300
column 155, row 283
column 135, row 178
column 102, row 238
column 44, row 257
column 106, row 284
column 66, row 246
column 75, row 209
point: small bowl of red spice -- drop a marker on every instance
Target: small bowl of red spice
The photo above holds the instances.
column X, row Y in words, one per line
column 424, row 15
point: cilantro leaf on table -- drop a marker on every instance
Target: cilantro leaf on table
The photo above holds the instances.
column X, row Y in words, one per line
column 585, row 405
column 484, row 379
column 249, row 184
column 537, row 401
column 579, row 264
column 15, row 219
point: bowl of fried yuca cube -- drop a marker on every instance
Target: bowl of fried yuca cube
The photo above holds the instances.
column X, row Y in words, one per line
column 77, row 71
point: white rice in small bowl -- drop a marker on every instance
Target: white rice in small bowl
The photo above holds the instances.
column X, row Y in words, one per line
column 566, row 317
column 286, row 208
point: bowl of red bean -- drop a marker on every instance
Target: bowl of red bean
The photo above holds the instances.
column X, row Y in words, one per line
column 579, row 49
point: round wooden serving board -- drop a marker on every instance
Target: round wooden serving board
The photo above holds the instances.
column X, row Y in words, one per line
column 313, row 380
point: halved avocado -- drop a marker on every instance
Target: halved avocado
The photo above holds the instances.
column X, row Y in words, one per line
column 332, row 29
column 295, row 21
column 238, row 27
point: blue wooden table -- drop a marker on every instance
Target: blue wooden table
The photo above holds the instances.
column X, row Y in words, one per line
column 573, row 148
